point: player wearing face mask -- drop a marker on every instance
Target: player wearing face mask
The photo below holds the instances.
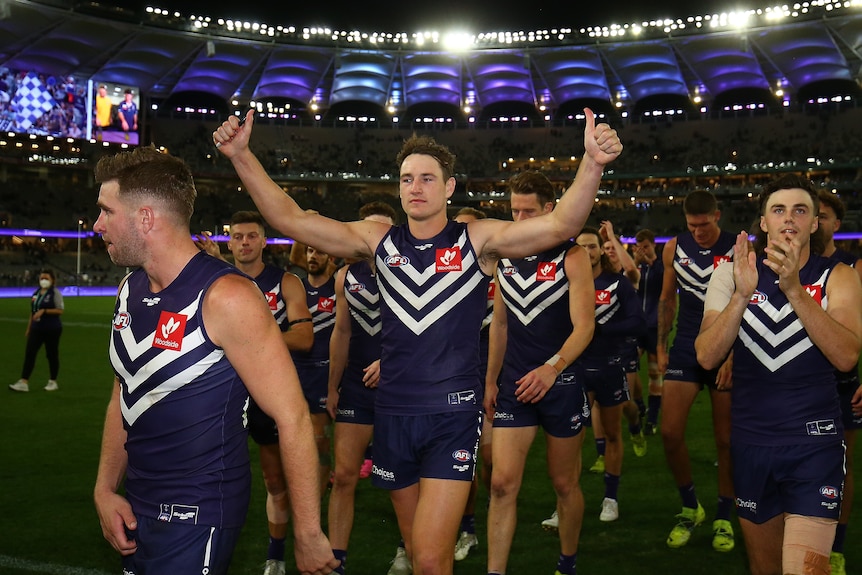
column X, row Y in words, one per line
column 44, row 328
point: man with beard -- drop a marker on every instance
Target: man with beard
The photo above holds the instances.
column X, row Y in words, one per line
column 191, row 339
column 313, row 365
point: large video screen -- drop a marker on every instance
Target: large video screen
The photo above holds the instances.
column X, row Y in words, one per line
column 115, row 113
column 33, row 103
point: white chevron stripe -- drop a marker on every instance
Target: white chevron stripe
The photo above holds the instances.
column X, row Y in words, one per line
column 526, row 282
column 606, row 311
column 774, row 363
column 371, row 329
column 135, row 348
column 369, row 321
column 362, row 300
column 412, row 272
column 774, row 339
column 330, row 321
column 162, row 359
column 408, row 293
column 428, row 320
column 534, row 308
column 133, row 412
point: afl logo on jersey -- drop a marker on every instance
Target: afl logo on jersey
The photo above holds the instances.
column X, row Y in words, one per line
column 509, row 271
column 122, row 320
column 757, row 298
column 685, row 261
column 396, row 261
column 461, row 455
column 356, row 288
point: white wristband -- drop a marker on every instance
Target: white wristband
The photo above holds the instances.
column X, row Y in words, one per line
column 553, row 361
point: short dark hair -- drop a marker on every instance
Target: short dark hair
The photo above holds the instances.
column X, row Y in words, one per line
column 789, row 182
column 248, row 217
column 377, row 208
column 533, row 182
column 834, row 202
column 468, row 211
column 427, row 146
column 645, row 234
column 590, row 230
column 48, row 272
column 145, row 171
column 699, row 203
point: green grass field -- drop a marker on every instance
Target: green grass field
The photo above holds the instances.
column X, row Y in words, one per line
column 49, row 447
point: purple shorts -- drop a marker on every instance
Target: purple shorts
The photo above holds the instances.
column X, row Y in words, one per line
column 165, row 547
column 355, row 405
column 803, row 479
column 435, row 446
column 562, row 412
column 608, row 383
column 692, row 373
column 314, row 380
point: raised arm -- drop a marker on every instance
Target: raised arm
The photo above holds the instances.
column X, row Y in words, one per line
column 238, row 319
column 630, row 268
column 354, row 240
column 532, row 236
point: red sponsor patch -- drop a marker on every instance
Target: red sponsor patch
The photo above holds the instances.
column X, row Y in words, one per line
column 449, row 260
column 492, row 288
column 271, row 299
column 546, row 271
column 326, row 304
column 603, row 297
column 716, row 260
column 170, row 331
column 816, row 292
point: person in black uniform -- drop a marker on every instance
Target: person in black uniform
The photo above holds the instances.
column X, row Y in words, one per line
column 44, row 328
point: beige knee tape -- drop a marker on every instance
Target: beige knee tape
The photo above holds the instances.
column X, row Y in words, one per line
column 807, row 543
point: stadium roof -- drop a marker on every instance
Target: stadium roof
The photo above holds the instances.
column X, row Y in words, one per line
column 166, row 62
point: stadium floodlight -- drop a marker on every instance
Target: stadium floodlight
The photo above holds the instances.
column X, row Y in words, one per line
column 457, row 41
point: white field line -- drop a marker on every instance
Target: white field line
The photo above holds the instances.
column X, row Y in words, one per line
column 47, row 568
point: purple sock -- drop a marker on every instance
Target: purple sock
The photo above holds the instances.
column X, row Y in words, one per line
column 689, row 498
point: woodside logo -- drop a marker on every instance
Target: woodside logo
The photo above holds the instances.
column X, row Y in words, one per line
column 170, row 331
column 449, row 260
column 546, row 271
